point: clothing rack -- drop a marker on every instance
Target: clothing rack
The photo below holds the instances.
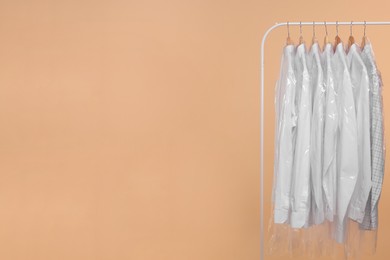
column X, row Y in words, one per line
column 262, row 107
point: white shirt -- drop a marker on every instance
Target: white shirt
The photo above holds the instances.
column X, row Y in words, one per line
column 317, row 131
column 284, row 135
column 301, row 192
column 329, row 171
column 361, row 91
column 347, row 147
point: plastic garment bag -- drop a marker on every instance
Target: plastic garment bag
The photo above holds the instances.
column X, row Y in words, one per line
column 317, row 132
column 330, row 135
column 328, row 140
column 370, row 221
column 284, row 135
column 347, row 147
column 301, row 194
column 360, row 86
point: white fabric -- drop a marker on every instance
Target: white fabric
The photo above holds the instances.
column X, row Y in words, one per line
column 330, row 135
column 360, row 84
column 301, row 193
column 286, row 122
column 317, row 132
column 329, row 142
column 347, row 147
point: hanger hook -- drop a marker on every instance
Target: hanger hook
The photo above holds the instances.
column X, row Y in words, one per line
column 288, row 29
column 314, row 30
column 337, row 28
column 300, row 28
column 365, row 23
column 326, row 28
column 350, row 28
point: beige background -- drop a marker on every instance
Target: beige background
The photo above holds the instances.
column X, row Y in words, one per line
column 130, row 129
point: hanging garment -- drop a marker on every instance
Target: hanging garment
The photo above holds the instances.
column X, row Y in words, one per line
column 329, row 150
column 347, row 148
column 330, row 135
column 317, row 132
column 284, row 136
column 360, row 86
column 370, row 220
column 301, row 167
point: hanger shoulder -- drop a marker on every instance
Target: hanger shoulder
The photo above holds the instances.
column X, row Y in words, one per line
column 336, row 41
column 351, row 41
column 314, row 40
column 364, row 40
column 289, row 41
column 301, row 40
column 326, row 40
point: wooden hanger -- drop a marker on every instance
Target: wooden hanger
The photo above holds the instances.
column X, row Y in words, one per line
column 364, row 40
column 288, row 41
column 300, row 37
column 326, row 39
column 314, row 40
column 351, row 40
column 337, row 39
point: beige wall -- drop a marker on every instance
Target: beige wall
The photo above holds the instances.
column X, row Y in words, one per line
column 130, row 129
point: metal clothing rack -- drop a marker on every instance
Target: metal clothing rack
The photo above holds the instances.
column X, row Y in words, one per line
column 262, row 108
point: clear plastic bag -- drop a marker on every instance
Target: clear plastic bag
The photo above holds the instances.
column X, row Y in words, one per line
column 327, row 210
